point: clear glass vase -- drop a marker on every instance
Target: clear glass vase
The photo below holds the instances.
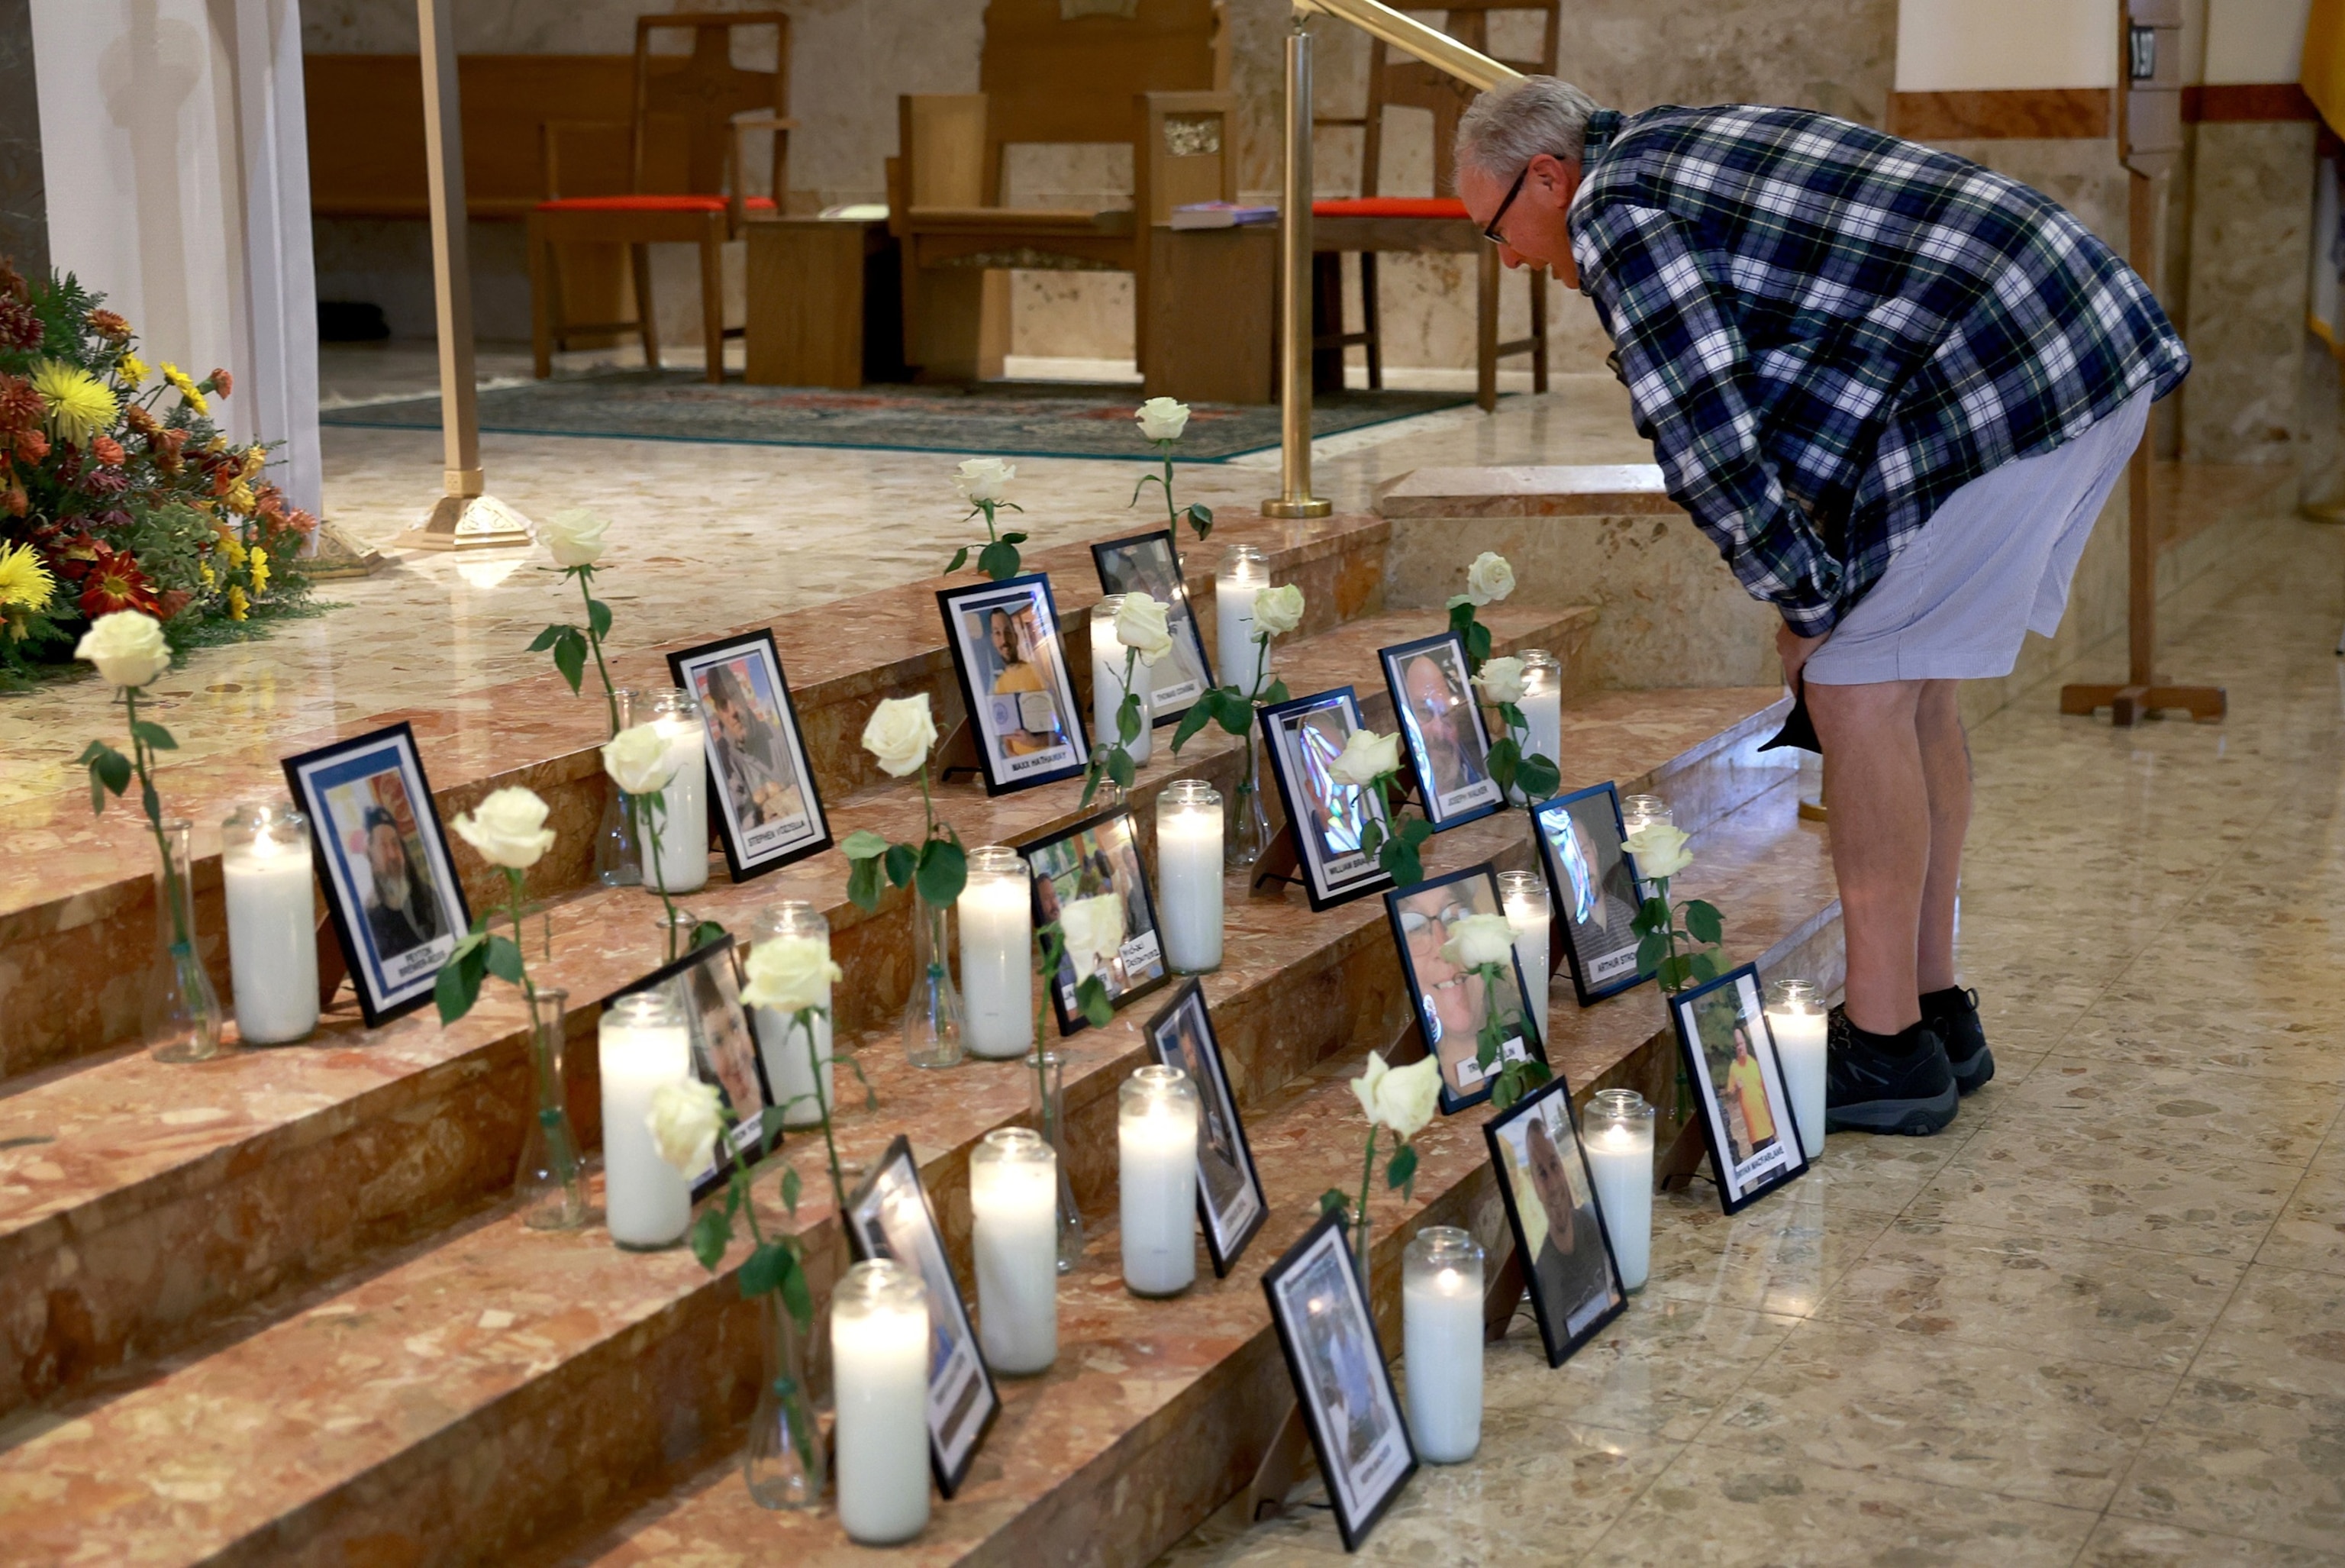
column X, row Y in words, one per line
column 932, row 1013
column 181, row 1017
column 783, row 1462
column 1249, row 824
column 618, row 857
column 550, row 1183
column 1047, row 1102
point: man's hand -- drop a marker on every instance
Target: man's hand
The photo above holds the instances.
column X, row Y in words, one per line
column 1795, row 650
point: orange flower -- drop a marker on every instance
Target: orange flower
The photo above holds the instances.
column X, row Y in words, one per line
column 114, row 582
column 222, row 382
column 107, row 451
column 139, row 419
column 109, row 326
column 30, row 444
column 301, row 523
column 21, row 408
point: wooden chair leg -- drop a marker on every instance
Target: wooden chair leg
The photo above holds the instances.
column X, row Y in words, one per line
column 647, row 317
column 1327, row 320
column 1538, row 329
column 1370, row 323
column 1486, row 331
column 712, row 295
column 543, row 283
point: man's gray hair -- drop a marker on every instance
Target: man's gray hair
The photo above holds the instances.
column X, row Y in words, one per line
column 1507, row 127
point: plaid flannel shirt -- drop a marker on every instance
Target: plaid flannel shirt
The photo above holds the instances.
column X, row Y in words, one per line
column 1825, row 331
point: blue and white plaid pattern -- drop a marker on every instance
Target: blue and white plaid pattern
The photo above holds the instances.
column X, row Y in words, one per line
column 1825, row 331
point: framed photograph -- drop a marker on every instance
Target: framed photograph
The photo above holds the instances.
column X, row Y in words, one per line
column 1443, row 726
column 1150, row 563
column 1304, row 738
column 706, row 984
column 1230, row 1199
column 768, row 812
column 1014, row 680
column 1746, row 1116
column 398, row 908
column 1597, row 894
column 1569, row 1269
column 888, row 1216
column 1453, row 1003
column 1099, row 857
column 1341, row 1382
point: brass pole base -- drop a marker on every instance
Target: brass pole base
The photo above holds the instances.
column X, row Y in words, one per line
column 1310, row 507
column 1814, row 812
column 468, row 522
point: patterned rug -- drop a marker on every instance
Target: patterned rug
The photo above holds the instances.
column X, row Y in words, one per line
column 1008, row 419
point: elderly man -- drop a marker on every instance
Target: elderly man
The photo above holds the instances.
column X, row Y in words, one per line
column 1895, row 387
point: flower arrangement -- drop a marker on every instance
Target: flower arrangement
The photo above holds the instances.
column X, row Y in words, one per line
column 1398, row 1099
column 1146, row 637
column 116, row 490
column 1484, row 945
column 1370, row 761
column 1161, row 420
column 984, row 484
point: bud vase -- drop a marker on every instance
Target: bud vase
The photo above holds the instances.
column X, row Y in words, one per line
column 550, row 1184
column 181, row 1017
column 783, row 1462
column 1249, row 823
column 618, row 856
column 1047, row 1100
column 932, row 1014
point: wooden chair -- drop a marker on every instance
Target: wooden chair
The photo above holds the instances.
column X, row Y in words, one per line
column 1374, row 221
column 1146, row 72
column 688, row 192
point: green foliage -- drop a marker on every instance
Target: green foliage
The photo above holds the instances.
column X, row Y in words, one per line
column 705, row 931
column 1659, row 936
column 940, row 866
column 1000, row 560
column 1398, row 852
column 459, row 982
column 1335, row 1201
column 1201, row 517
column 109, row 773
column 569, row 649
column 1400, row 1175
column 1472, row 632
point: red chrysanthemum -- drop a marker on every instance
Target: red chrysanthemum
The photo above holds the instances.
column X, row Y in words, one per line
column 114, row 582
column 109, row 326
column 21, row 408
column 107, row 451
column 104, row 482
column 301, row 523
column 19, row 328
column 136, row 416
column 222, row 382
column 31, row 445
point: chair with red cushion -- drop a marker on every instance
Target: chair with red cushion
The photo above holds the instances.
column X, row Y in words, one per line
column 686, row 190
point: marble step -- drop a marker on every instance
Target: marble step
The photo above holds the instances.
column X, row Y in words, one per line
column 76, row 900
column 125, row 1229
column 493, row 1388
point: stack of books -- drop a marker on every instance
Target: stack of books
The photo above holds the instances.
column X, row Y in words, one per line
column 1220, row 215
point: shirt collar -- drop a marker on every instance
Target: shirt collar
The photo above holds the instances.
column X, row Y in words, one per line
column 1600, row 126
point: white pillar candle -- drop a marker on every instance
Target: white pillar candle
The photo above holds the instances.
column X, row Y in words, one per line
column 1542, row 704
column 1156, row 1130
column 996, row 954
column 1013, row 1200
column 272, row 926
column 1188, row 875
column 1617, row 1130
column 879, row 1383
column 1441, row 1340
column 1244, row 574
column 1107, row 687
column 1524, row 896
column 1796, row 1017
column 682, row 861
column 781, row 1044
column 643, row 1047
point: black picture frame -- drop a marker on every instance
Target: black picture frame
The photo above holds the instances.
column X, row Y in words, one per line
column 1594, row 889
column 1301, row 743
column 706, row 985
column 1231, row 1202
column 1103, row 848
column 1328, row 1336
column 1575, row 1291
column 1041, row 650
column 740, row 773
column 1448, row 701
column 1150, row 563
column 338, row 787
column 1779, row 1157
column 888, row 1215
column 1413, row 912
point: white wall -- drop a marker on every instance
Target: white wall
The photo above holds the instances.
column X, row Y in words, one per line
column 1986, row 45
column 2255, row 40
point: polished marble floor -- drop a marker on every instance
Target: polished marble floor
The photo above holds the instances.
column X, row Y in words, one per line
column 2099, row 1321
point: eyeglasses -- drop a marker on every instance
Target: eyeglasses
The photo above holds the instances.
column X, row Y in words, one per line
column 1490, row 230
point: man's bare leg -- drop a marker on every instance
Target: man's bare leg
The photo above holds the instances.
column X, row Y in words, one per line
column 1946, row 773
column 1881, row 833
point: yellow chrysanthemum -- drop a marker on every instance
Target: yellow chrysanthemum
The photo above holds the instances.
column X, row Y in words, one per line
column 185, row 387
column 24, row 582
column 255, row 459
column 132, row 369
column 232, row 547
column 79, row 404
column 260, row 571
column 210, row 577
column 240, row 498
column 237, row 605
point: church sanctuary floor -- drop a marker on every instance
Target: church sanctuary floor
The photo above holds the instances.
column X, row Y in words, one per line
column 2100, row 1321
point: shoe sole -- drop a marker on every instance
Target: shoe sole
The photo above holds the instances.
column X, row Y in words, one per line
column 1913, row 1118
column 1969, row 1075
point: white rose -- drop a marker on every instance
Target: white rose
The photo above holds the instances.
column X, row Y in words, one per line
column 683, row 1122
column 1279, row 610
column 899, row 734
column 640, row 760
column 1399, row 1098
column 1501, row 679
column 790, row 973
column 982, row 478
column 1659, row 850
column 1161, row 419
column 508, row 829
column 127, row 646
column 1489, row 578
column 576, row 537
column 1093, row 930
column 1367, row 756
column 1139, row 626
column 1479, row 939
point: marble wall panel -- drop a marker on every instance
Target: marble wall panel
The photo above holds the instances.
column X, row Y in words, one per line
column 2250, row 253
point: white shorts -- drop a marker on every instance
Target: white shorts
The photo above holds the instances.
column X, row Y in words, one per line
column 1992, row 564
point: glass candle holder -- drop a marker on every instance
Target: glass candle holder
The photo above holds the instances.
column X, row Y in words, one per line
column 674, row 833
column 1637, row 811
column 1188, row 875
column 179, row 1013
column 1796, row 1017
column 798, row 1060
column 1617, row 1130
column 1523, row 896
column 618, row 856
column 1542, row 706
column 1107, row 687
column 272, row 922
column 1156, row 1140
column 996, row 954
column 1244, row 574
column 1013, row 1200
column 643, row 1045
column 880, row 1383
column 1441, row 1335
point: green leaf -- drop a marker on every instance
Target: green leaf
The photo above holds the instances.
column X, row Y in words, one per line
column 1202, row 712
column 1461, row 615
column 155, row 736
column 862, row 844
column 1703, row 922
column 796, row 1295
column 1652, row 918
column 1119, row 767
column 1201, row 518
column 1092, row 997
column 1275, row 693
column 1651, row 948
column 944, row 871
column 1234, row 712
column 999, row 560
column 1704, row 966
column 1400, row 1176
column 109, row 771
column 791, row 1186
column 1400, row 861
column 863, row 884
column 598, row 619
column 711, row 1234
column 960, row 559
column 769, row 1133
column 549, row 637
column 1672, row 971
column 458, row 985
column 901, row 861
column 504, row 960
column 570, row 655
column 1013, row 539
column 705, row 931
column 1127, row 718
column 1538, row 777
column 1512, row 717
column 1415, row 832
column 766, row 1268
column 1334, row 1201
